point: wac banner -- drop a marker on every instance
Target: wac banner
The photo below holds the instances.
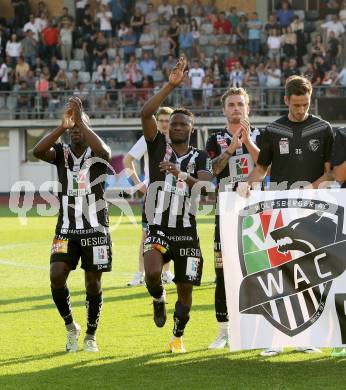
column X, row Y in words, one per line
column 284, row 256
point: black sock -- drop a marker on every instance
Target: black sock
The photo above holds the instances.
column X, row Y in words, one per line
column 181, row 317
column 61, row 298
column 220, row 300
column 155, row 291
column 93, row 305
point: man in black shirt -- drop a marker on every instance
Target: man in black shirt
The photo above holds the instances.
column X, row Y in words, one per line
column 82, row 227
column 175, row 172
column 233, row 152
column 298, row 148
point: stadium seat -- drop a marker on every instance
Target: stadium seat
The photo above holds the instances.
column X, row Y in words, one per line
column 75, row 65
column 309, row 26
column 62, row 64
column 78, row 54
column 138, row 52
column 94, row 76
column 84, row 77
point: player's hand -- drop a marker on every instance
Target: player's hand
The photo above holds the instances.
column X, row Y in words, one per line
column 178, row 72
column 142, row 189
column 243, row 189
column 169, row 167
column 77, row 108
column 245, row 131
column 68, row 119
column 236, row 142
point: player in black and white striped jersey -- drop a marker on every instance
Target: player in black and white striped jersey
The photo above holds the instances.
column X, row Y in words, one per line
column 176, row 171
column 82, row 227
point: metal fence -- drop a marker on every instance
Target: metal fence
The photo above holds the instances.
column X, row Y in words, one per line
column 126, row 103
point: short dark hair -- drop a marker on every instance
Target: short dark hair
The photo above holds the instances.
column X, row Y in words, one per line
column 297, row 85
column 184, row 111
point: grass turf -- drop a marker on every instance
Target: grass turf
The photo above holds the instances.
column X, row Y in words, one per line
column 132, row 350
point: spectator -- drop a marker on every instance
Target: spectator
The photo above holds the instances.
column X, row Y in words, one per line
column 285, row 14
column 142, row 5
column 29, row 48
column 217, row 68
column 165, row 12
column 21, row 9
column 233, row 18
column 297, row 27
column 123, row 29
column 104, row 71
column 332, row 8
column 147, row 41
column 147, row 67
column 210, row 8
column 231, row 60
column 87, row 23
column 80, row 8
column 272, row 24
column 137, row 23
column 152, row 20
column 342, row 13
column 291, row 70
column 100, row 50
column 5, row 73
column 165, row 45
column 196, row 76
column 330, row 80
column 99, row 94
column 65, row 39
column 118, row 10
column 273, row 80
column 38, row 67
column 83, row 93
column 41, row 21
column 252, row 83
column 129, row 95
column 104, row 18
column 128, row 43
column 168, row 65
column 22, row 69
column 89, row 47
column 289, row 42
column 341, row 79
column 254, row 34
column 65, row 16
column 54, row 67
column 312, row 74
column 334, row 50
column 50, row 39
column 221, row 42
column 196, row 8
column 62, row 80
column 112, row 96
column 185, row 41
column 118, row 71
column 13, row 49
column 236, row 76
column 3, row 41
column 297, row 24
column 144, row 92
column 274, row 46
column 133, row 71
column 195, row 36
column 207, row 92
column 42, row 88
column 74, row 79
column 334, row 25
column 32, row 25
column 221, row 21
column 31, row 81
column 54, row 102
column 262, row 75
column 173, row 32
column 23, row 100
column 317, row 48
column 242, row 33
column 182, row 12
column 321, row 66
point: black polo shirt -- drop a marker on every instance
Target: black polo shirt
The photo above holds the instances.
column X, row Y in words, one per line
column 296, row 151
column 339, row 149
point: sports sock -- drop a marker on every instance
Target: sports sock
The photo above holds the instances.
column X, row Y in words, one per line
column 93, row 305
column 181, row 317
column 220, row 300
column 61, row 298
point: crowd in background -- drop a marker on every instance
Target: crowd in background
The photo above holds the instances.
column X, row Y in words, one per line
column 122, row 50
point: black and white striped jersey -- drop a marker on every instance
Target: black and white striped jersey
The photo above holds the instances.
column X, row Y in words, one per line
column 169, row 201
column 83, row 209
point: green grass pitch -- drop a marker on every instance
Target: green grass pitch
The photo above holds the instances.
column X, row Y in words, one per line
column 132, row 350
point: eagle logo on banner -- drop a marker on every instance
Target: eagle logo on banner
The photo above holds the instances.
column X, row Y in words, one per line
column 290, row 252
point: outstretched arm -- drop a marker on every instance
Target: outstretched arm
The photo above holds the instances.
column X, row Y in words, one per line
column 150, row 107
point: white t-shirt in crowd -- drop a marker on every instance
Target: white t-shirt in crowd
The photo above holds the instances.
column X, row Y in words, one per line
column 33, row 27
column 139, row 150
column 274, row 43
column 13, row 49
column 337, row 27
column 105, row 23
column 196, row 76
column 273, row 81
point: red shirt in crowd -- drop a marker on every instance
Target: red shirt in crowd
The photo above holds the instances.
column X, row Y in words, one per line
column 50, row 35
column 225, row 24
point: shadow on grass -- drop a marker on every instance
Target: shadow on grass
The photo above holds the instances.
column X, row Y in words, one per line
column 194, row 370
